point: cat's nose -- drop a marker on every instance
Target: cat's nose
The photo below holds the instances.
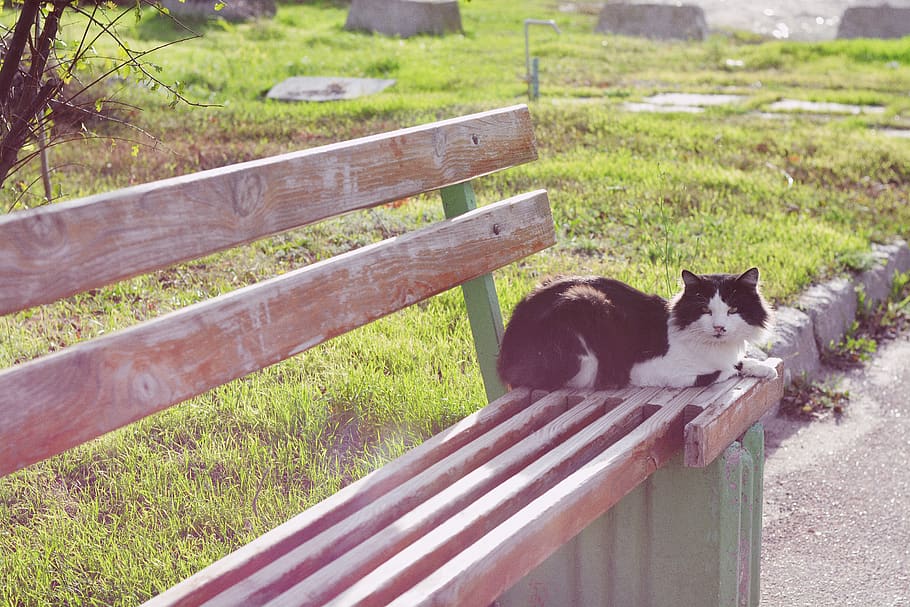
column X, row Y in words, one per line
column 720, row 329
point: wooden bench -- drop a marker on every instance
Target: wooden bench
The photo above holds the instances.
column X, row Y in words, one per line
column 527, row 494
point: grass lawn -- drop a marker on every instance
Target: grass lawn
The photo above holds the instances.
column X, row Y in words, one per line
column 637, row 196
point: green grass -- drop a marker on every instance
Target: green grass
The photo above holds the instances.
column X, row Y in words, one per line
column 635, row 196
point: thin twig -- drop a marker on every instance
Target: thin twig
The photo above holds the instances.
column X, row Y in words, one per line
column 255, row 505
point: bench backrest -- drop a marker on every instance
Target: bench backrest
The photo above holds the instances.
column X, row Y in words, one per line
column 58, row 401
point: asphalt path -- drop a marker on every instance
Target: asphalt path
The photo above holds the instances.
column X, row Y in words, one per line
column 837, row 496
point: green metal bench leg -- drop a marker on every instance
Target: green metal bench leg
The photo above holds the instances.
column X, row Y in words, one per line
column 480, row 299
column 686, row 536
column 754, row 443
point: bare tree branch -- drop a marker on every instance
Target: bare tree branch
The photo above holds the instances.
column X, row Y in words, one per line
column 32, row 78
column 17, row 45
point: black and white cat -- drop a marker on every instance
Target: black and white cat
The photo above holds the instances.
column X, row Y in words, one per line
column 593, row 332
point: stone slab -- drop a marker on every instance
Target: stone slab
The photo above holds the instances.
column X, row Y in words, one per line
column 901, row 256
column 659, row 21
column 876, row 282
column 304, row 88
column 697, row 99
column 404, row 18
column 823, row 107
column 793, row 341
column 832, row 308
column 681, row 102
column 659, row 108
column 882, row 21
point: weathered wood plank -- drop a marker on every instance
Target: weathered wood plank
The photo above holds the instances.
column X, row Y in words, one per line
column 728, row 415
column 421, row 557
column 312, row 555
column 66, row 248
column 59, row 401
column 483, row 570
column 269, row 547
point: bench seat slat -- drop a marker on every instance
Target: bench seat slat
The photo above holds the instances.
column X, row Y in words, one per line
column 421, row 558
column 369, row 522
column 58, row 250
column 429, row 539
column 728, row 415
column 454, row 501
column 246, row 560
column 486, row 568
column 64, row 399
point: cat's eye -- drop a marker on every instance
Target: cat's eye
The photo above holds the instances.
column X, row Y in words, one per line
column 733, row 310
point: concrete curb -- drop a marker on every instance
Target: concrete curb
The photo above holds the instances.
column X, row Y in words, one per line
column 825, row 312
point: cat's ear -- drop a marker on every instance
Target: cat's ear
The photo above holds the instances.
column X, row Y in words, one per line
column 690, row 280
column 749, row 277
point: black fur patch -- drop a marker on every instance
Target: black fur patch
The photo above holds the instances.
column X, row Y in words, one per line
column 620, row 325
column 706, row 380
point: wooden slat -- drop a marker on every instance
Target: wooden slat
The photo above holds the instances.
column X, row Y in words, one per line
column 342, row 576
column 54, row 403
column 62, row 249
column 728, row 415
column 269, row 547
column 483, row 570
column 315, row 552
column 419, row 559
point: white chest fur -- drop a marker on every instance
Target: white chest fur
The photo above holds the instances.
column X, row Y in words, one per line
column 686, row 359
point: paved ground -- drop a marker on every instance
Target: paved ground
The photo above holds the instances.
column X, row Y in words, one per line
column 837, row 497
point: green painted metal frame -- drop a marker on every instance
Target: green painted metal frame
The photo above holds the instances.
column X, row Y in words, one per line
column 480, row 298
column 686, row 536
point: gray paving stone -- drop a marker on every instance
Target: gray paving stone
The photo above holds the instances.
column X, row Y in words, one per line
column 881, row 21
column 232, row 10
column 876, row 282
column 822, row 107
column 309, row 88
column 902, row 256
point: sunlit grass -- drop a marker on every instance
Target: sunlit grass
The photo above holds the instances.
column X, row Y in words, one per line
column 634, row 196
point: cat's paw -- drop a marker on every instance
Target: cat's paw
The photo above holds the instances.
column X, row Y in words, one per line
column 751, row 367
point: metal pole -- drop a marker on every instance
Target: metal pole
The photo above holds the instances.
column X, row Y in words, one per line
column 530, row 76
